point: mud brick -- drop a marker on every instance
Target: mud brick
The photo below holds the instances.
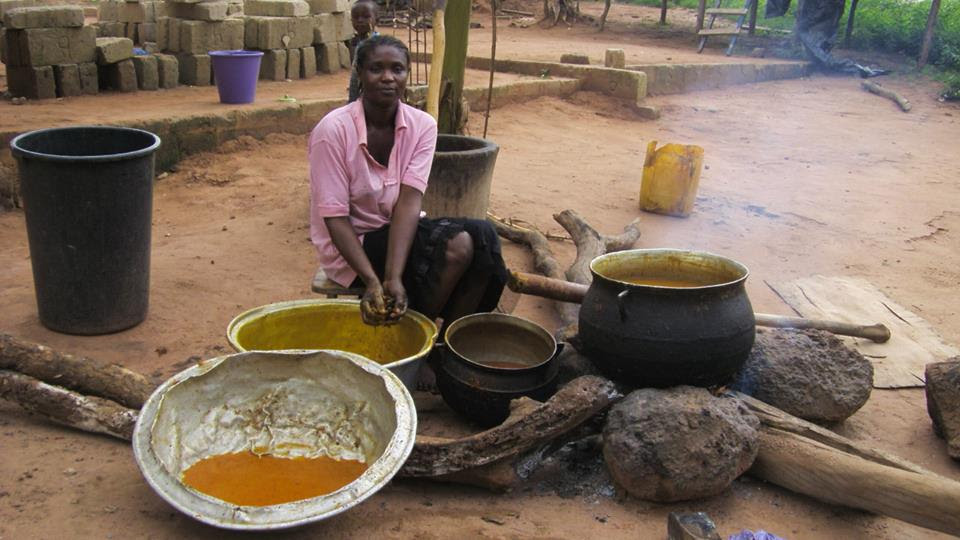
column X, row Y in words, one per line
column 276, row 8
column 7, row 5
column 614, row 58
column 50, row 46
column 44, row 17
column 344, row 26
column 113, row 49
column 147, row 32
column 328, row 6
column 130, row 31
column 148, row 76
column 204, row 11
column 131, row 12
column 150, row 47
column 112, row 29
column 173, row 34
column 273, row 65
column 163, row 32
column 108, row 11
column 281, row 32
column 121, row 76
column 293, row 63
column 328, row 57
column 33, row 82
column 89, row 83
column 250, row 28
column 344, row 55
column 324, row 29
column 67, row 77
column 308, row 62
column 234, row 9
column 201, row 37
column 194, row 69
column 168, row 71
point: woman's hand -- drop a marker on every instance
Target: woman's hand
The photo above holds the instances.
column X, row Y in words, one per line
column 373, row 305
column 396, row 299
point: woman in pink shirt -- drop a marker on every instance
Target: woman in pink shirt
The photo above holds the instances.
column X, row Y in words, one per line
column 369, row 165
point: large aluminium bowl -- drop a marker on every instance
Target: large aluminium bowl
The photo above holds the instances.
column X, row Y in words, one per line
column 288, row 404
column 336, row 324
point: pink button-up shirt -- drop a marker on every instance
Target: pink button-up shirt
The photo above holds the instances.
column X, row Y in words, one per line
column 345, row 180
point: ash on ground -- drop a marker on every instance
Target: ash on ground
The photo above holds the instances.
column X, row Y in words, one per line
column 575, row 470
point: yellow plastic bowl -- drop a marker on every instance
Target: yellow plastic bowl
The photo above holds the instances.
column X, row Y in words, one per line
column 336, row 324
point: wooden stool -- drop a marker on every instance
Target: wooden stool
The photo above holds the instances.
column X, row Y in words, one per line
column 331, row 289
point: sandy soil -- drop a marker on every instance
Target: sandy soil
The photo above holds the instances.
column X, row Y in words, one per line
column 802, row 177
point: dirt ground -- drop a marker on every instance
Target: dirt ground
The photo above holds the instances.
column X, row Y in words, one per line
column 802, row 177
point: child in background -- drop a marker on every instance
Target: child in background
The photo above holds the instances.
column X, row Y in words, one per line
column 363, row 15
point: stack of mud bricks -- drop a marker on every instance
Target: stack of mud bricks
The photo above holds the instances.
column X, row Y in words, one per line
column 136, row 21
column 49, row 52
column 191, row 29
column 121, row 70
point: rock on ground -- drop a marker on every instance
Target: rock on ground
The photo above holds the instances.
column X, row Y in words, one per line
column 679, row 443
column 807, row 373
column 943, row 402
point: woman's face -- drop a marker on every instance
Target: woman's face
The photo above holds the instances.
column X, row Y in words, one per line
column 383, row 76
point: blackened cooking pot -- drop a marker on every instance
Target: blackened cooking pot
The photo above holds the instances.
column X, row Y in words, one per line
column 664, row 317
column 488, row 359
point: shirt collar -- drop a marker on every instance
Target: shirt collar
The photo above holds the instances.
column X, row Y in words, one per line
column 356, row 114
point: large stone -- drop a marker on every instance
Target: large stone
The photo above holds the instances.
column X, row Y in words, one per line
column 807, row 373
column 324, row 29
column 148, row 75
column 44, row 17
column 89, row 78
column 293, row 63
column 344, row 26
column 308, row 62
column 573, row 58
column 204, row 11
column 67, row 77
column 678, row 444
column 201, row 37
column 273, row 65
column 943, row 402
column 194, row 69
column 33, row 82
column 615, row 58
column 276, row 8
column 168, row 72
column 50, row 46
column 328, row 57
column 267, row 33
column 113, row 49
column 108, row 11
column 121, row 76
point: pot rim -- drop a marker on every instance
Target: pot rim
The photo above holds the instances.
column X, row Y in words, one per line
column 522, row 323
column 486, row 146
column 667, row 251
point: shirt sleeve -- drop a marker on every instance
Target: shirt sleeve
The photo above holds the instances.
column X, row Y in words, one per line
column 329, row 179
column 418, row 171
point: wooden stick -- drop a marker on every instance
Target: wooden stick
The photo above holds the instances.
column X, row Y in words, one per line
column 887, row 93
column 516, row 12
column 811, row 468
column 435, row 79
column 84, row 375
column 493, row 63
column 87, row 413
column 569, row 407
column 877, row 333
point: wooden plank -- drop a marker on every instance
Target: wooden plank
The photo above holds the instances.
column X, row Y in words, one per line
column 898, row 363
column 719, row 32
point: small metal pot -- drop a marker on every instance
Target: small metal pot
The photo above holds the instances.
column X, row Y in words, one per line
column 488, row 359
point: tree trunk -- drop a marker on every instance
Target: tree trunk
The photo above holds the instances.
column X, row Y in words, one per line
column 456, row 19
column 928, row 34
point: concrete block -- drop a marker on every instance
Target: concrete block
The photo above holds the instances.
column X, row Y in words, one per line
column 328, row 57
column 147, row 32
column 273, row 65
column 150, row 46
column 308, row 62
column 194, row 69
column 571, row 58
column 50, row 46
column 121, row 76
column 235, row 9
column 344, row 54
column 344, row 26
column 648, row 112
column 7, row 5
column 251, row 27
column 111, row 50
column 139, row 12
column 89, row 80
column 201, row 37
column 168, row 72
column 276, row 8
column 67, row 78
column 163, row 32
column 108, row 11
column 282, row 32
column 173, row 34
column 32, row 82
column 112, row 29
column 293, row 63
column 148, row 75
column 324, row 29
column 328, row 6
column 615, row 58
column 130, row 32
column 204, row 11
column 43, row 17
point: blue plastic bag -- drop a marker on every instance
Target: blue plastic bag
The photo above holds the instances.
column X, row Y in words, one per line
column 747, row 534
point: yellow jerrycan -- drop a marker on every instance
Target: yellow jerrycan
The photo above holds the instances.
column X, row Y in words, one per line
column 671, row 175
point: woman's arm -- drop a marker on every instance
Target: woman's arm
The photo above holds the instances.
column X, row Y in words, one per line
column 373, row 307
column 403, row 225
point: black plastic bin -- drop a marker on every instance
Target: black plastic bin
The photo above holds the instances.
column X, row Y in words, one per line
column 88, row 196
